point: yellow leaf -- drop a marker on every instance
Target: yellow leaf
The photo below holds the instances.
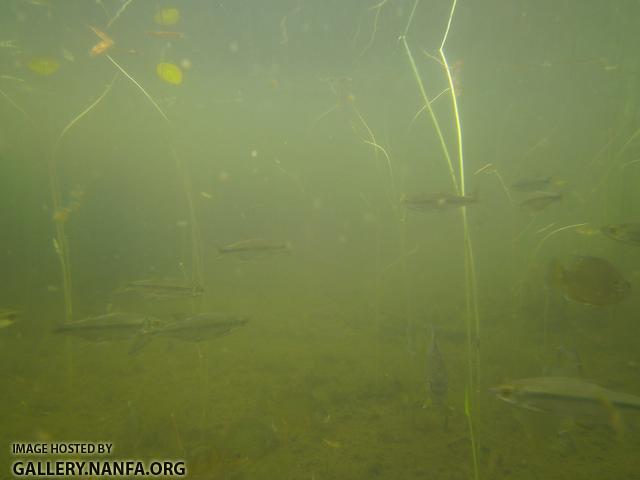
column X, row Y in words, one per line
column 167, row 16
column 170, row 73
column 44, row 66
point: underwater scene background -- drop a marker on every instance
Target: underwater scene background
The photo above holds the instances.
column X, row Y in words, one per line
column 343, row 233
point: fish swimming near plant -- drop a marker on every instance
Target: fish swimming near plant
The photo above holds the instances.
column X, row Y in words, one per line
column 191, row 328
column 108, row 327
column 162, row 289
column 623, row 232
column 589, row 280
column 571, row 397
column 254, row 248
column 429, row 202
column 540, row 201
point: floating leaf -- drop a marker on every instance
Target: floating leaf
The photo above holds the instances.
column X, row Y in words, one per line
column 167, row 16
column 170, row 73
column 44, row 66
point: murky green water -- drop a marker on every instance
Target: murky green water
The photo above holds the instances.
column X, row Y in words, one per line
column 303, row 123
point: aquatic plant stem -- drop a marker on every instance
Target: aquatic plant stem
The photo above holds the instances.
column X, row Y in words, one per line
column 389, row 167
column 78, row 117
column 377, row 8
column 470, row 273
column 61, row 242
column 474, row 447
column 551, row 234
column 536, row 251
column 434, row 119
column 471, row 290
column 17, row 107
column 119, row 12
column 196, row 250
column 471, row 295
column 149, row 97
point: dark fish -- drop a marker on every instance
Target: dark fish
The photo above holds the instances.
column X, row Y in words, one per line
column 532, row 184
column 162, row 290
column 191, row 328
column 111, row 326
column 565, row 396
column 254, row 248
column 590, row 280
column 623, row 232
column 426, row 202
column 541, row 201
column 437, row 377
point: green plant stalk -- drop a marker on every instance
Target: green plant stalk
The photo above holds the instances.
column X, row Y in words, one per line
column 62, row 242
column 149, row 97
column 471, row 290
column 434, row 119
column 470, row 270
column 119, row 12
column 474, row 447
column 471, row 297
column 551, row 234
column 197, row 271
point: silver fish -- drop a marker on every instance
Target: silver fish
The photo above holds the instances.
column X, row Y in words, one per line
column 191, row 328
column 162, row 290
column 254, row 248
column 566, row 396
column 426, row 202
column 110, row 326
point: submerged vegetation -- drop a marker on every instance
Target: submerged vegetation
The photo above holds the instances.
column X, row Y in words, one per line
column 171, row 171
